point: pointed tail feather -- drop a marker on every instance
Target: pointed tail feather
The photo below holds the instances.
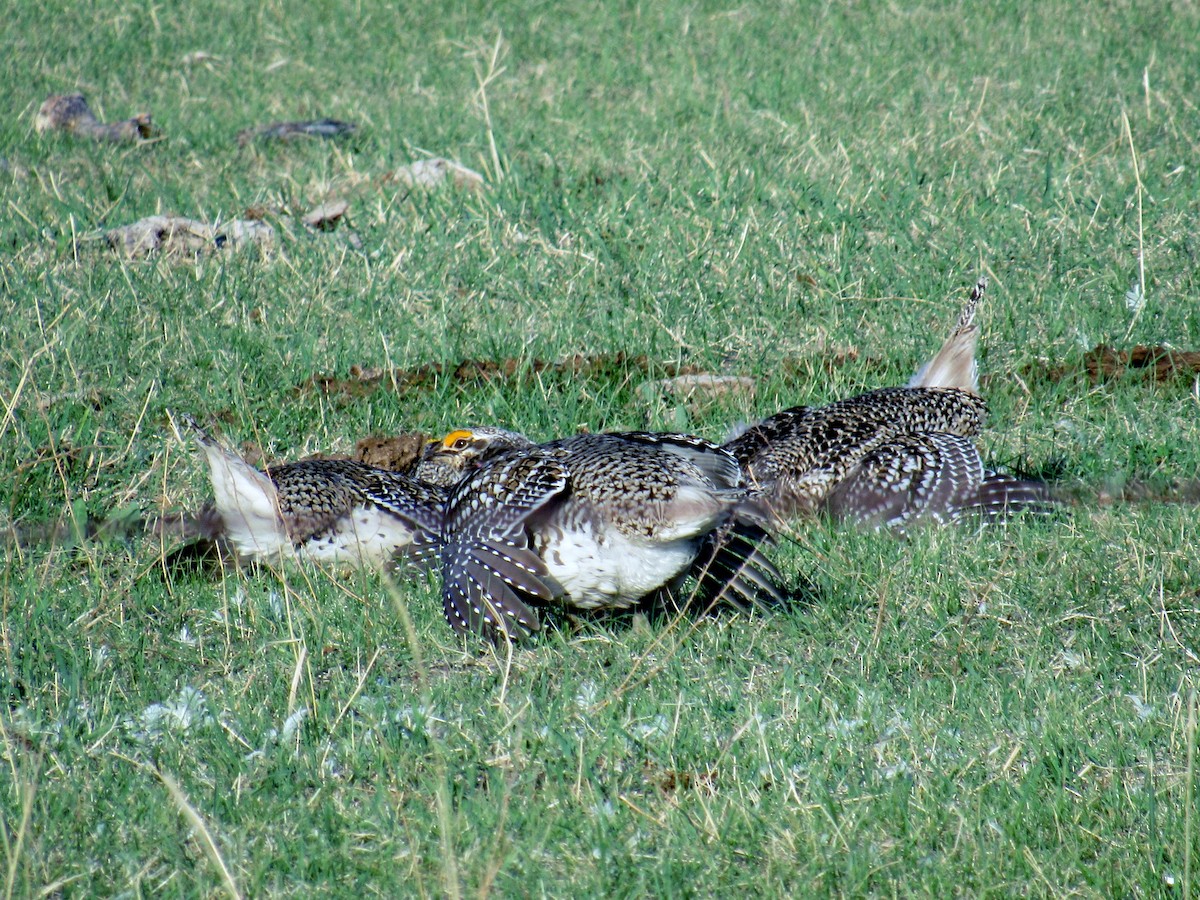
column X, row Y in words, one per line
column 246, row 499
column 954, row 366
column 519, row 568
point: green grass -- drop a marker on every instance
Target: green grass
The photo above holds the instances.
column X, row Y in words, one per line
column 801, row 193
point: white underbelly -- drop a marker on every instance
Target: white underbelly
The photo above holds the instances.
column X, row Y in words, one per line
column 367, row 536
column 610, row 569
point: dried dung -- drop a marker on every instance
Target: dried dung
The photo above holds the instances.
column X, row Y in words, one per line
column 398, row 453
column 326, row 216
column 291, row 131
column 179, row 236
column 430, row 173
column 70, row 113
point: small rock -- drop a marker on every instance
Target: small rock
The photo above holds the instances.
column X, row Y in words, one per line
column 325, row 217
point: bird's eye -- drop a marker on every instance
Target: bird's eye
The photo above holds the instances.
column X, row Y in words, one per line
column 461, row 444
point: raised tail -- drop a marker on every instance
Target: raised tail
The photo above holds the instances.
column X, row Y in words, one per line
column 954, row 366
column 246, row 499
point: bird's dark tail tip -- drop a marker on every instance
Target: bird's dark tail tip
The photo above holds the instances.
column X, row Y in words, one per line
column 731, row 568
column 1002, row 496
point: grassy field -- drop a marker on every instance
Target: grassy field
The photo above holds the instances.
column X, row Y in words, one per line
column 801, row 193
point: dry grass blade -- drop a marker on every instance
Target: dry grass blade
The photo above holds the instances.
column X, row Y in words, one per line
column 1189, row 799
column 494, row 71
column 1141, row 243
column 13, row 850
column 207, row 841
column 446, row 833
column 445, row 809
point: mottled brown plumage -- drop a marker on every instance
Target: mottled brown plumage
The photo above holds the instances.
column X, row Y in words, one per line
column 797, row 457
column 333, row 511
column 591, row 521
column 890, row 457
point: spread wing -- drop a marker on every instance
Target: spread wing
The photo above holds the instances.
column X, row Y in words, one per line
column 935, row 477
column 489, row 571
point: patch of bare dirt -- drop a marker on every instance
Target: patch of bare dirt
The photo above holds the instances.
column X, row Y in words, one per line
column 1105, row 363
column 698, row 386
column 683, row 382
column 364, row 380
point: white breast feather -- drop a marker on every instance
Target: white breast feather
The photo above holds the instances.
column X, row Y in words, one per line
column 369, row 535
